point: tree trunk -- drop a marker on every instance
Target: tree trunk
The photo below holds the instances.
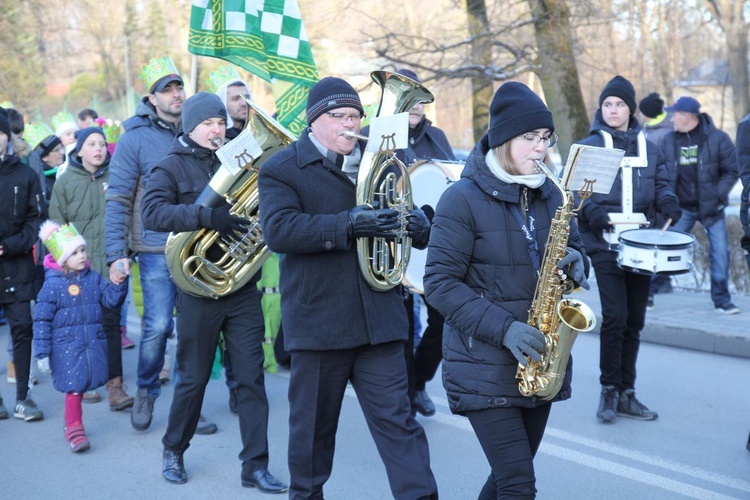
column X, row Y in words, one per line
column 481, row 52
column 558, row 72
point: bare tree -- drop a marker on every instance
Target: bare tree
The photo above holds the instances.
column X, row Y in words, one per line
column 730, row 15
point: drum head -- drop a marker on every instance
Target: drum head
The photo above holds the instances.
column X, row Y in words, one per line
column 656, row 238
column 429, row 180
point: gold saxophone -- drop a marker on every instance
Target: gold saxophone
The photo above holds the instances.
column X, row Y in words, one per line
column 383, row 261
column 200, row 262
column 560, row 320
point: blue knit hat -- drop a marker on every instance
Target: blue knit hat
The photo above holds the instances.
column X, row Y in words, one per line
column 515, row 110
column 328, row 94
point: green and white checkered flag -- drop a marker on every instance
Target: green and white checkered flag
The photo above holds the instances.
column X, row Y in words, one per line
column 264, row 37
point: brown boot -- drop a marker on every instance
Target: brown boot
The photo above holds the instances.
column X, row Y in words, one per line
column 118, row 398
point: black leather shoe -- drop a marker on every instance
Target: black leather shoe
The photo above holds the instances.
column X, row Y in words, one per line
column 205, row 427
column 423, row 403
column 264, row 481
column 173, row 468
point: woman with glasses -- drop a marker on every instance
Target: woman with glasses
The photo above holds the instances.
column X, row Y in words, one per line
column 623, row 294
column 486, row 244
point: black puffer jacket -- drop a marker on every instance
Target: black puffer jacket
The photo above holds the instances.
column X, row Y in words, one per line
column 21, row 205
column 650, row 184
column 717, row 169
column 480, row 276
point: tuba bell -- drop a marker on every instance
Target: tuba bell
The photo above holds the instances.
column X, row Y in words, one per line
column 383, row 182
column 203, row 264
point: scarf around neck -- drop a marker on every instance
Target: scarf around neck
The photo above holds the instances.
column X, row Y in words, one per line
column 349, row 164
column 532, row 181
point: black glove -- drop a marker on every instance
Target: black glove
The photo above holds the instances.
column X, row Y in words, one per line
column 671, row 209
column 576, row 269
column 598, row 219
column 365, row 222
column 524, row 340
column 226, row 223
column 418, row 228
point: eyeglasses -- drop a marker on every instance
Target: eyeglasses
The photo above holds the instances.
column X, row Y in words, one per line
column 342, row 117
column 531, row 137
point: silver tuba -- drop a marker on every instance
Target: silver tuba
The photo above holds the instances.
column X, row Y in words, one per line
column 383, row 182
column 203, row 264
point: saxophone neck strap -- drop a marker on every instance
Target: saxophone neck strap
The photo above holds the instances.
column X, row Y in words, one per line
column 529, row 231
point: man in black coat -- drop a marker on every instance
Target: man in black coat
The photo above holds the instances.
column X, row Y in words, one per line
column 336, row 327
column 169, row 205
column 21, row 205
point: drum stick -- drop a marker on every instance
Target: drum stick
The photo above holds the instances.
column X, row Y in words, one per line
column 666, row 225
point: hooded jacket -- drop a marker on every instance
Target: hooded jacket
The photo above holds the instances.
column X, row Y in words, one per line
column 146, row 140
column 21, row 206
column 68, row 326
column 717, row 169
column 78, row 197
column 650, row 183
column 481, row 278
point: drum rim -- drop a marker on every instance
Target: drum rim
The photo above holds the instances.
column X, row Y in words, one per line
column 622, row 239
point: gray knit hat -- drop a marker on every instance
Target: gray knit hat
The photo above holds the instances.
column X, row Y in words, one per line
column 200, row 107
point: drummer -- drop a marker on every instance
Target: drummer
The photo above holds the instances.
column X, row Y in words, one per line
column 426, row 142
column 623, row 294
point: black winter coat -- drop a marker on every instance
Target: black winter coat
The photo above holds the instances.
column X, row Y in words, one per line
column 717, row 169
column 325, row 301
column 480, row 276
column 175, row 184
column 21, row 206
column 650, row 184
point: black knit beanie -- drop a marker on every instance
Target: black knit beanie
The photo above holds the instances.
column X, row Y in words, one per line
column 331, row 93
column 47, row 144
column 652, row 105
column 619, row 87
column 4, row 123
column 200, row 107
column 515, row 110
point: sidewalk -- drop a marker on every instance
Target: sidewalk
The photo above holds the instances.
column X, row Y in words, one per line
column 687, row 319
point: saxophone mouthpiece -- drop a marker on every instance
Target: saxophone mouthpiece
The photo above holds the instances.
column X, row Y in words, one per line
column 217, row 141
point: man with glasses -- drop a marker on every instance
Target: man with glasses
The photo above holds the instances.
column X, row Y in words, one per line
column 623, row 294
column 336, row 327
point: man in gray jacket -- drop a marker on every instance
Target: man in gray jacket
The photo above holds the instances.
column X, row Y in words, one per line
column 147, row 139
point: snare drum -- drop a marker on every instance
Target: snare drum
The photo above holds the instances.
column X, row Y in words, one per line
column 429, row 180
column 653, row 251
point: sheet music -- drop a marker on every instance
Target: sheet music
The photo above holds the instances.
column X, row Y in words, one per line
column 389, row 133
column 240, row 153
column 590, row 163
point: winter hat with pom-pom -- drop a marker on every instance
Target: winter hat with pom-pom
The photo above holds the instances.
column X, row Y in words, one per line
column 61, row 241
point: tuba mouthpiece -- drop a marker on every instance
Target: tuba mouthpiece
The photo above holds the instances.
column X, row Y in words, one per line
column 217, row 141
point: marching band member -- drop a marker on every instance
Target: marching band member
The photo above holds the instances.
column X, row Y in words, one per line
column 486, row 244
column 336, row 327
column 624, row 295
column 168, row 205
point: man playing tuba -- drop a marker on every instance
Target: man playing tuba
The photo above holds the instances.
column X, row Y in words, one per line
column 337, row 328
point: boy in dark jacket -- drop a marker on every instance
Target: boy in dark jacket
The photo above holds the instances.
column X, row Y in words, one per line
column 21, row 203
column 68, row 335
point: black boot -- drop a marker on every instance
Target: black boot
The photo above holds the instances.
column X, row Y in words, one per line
column 608, row 404
column 173, row 469
column 629, row 406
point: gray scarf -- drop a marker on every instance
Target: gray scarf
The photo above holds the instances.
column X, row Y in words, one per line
column 349, row 164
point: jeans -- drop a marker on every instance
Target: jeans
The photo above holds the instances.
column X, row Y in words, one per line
column 718, row 254
column 157, row 323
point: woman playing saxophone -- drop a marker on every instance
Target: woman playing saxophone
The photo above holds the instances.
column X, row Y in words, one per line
column 484, row 261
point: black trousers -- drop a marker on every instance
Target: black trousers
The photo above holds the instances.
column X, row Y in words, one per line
column 510, row 438
column 624, row 297
column 111, row 324
column 19, row 319
column 429, row 352
column 199, row 322
column 316, row 390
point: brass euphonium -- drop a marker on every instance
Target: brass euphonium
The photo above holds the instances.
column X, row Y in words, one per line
column 203, row 264
column 383, row 182
column 560, row 320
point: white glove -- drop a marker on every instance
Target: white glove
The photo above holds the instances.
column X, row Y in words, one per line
column 43, row 365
